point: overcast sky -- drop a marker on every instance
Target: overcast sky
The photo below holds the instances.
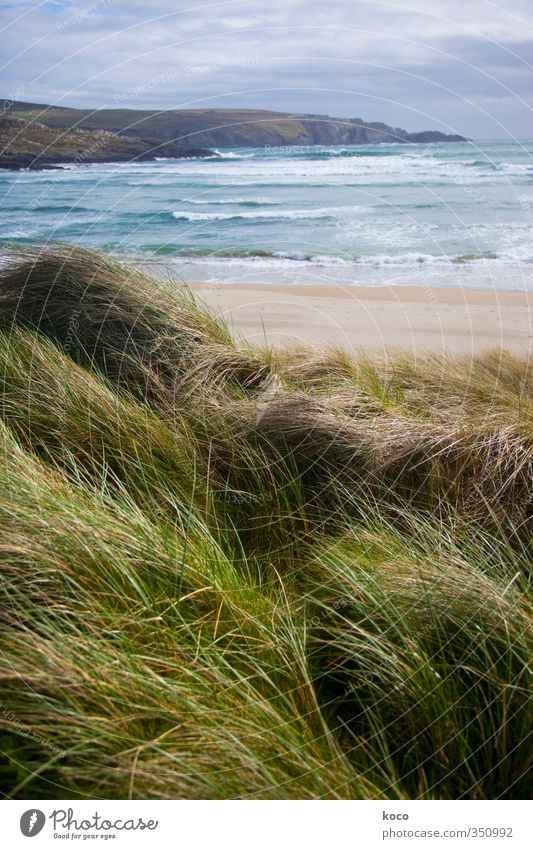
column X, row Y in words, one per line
column 456, row 65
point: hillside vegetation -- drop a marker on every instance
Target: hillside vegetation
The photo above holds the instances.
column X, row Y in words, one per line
column 31, row 144
column 224, row 127
column 231, row 572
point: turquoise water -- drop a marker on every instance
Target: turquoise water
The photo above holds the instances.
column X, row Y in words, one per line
column 448, row 214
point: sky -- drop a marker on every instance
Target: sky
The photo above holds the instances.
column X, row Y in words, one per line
column 459, row 66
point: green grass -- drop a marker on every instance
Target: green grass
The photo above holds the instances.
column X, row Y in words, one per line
column 239, row 573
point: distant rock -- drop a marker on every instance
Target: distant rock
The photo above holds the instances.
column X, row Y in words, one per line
column 430, row 136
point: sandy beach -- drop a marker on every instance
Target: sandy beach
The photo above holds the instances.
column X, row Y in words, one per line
column 410, row 317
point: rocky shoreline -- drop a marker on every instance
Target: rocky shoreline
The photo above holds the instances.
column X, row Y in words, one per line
column 34, row 146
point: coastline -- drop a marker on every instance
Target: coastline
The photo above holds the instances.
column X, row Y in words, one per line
column 416, row 318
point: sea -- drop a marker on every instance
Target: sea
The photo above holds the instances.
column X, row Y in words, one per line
column 446, row 214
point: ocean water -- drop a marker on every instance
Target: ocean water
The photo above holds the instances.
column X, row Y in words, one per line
column 441, row 214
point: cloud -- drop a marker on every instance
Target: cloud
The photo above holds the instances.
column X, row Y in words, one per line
column 417, row 64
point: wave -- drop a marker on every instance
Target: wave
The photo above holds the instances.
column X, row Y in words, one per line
column 390, row 205
column 288, row 214
column 229, row 154
column 513, row 168
column 517, row 169
column 232, row 201
column 410, row 259
column 64, row 208
column 478, row 163
column 332, row 152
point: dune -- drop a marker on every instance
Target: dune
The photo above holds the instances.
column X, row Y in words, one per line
column 232, row 569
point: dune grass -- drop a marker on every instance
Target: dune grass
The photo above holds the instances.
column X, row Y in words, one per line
column 238, row 573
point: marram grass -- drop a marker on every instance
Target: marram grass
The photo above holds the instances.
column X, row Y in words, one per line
column 239, row 573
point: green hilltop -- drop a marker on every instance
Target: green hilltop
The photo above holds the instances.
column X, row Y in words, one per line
column 223, row 127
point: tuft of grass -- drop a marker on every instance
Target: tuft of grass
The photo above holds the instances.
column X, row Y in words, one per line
column 229, row 572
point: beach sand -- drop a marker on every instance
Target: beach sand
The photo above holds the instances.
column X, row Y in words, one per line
column 372, row 318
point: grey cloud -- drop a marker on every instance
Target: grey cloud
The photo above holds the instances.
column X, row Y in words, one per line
column 440, row 61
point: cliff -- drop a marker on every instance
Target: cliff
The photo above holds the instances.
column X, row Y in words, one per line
column 224, row 127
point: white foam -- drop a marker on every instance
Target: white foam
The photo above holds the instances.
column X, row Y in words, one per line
column 229, row 201
column 229, row 154
column 289, row 214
